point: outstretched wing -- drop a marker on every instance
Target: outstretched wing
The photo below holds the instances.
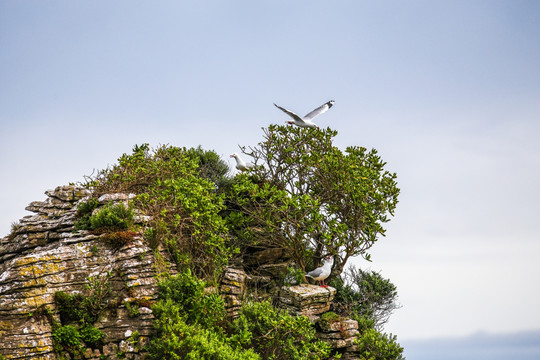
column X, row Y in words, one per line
column 290, row 113
column 321, row 109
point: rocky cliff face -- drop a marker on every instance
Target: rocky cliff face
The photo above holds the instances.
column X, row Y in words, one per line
column 45, row 255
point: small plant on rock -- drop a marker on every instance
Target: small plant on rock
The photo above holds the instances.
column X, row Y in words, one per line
column 84, row 212
column 112, row 217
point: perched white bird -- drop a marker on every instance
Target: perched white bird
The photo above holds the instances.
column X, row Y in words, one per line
column 305, row 121
column 241, row 164
column 322, row 272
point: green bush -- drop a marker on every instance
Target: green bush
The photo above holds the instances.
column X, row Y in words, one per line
column 188, row 323
column 364, row 293
column 373, row 345
column 84, row 212
column 67, row 338
column 177, row 339
column 112, row 217
column 92, row 336
column 275, row 334
column 188, row 293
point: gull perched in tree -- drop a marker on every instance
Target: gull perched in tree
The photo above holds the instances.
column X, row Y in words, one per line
column 305, row 121
column 322, row 272
column 241, row 164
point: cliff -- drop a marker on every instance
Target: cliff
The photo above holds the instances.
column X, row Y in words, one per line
column 46, row 266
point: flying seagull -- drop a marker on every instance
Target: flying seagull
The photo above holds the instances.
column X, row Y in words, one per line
column 322, row 272
column 241, row 164
column 305, row 121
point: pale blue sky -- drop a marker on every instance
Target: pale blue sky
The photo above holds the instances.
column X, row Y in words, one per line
column 447, row 91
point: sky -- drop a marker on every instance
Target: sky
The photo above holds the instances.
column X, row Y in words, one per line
column 448, row 92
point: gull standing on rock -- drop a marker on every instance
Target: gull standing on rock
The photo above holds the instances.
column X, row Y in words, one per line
column 241, row 164
column 305, row 121
column 322, row 272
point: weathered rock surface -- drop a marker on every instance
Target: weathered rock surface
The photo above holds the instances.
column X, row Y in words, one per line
column 305, row 299
column 340, row 333
column 233, row 288
column 45, row 255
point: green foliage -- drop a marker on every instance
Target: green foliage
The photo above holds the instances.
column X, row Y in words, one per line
column 67, row 338
column 132, row 308
column 92, row 336
column 211, row 166
column 97, row 291
column 188, row 323
column 179, row 340
column 78, row 313
column 112, row 217
column 370, row 299
column 373, row 345
column 293, row 276
column 365, row 294
column 311, row 198
column 188, row 293
column 275, row 334
column 176, row 188
column 85, row 308
column 329, row 317
column 84, row 212
column 70, row 307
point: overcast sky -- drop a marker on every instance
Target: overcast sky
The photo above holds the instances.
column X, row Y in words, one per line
column 448, row 92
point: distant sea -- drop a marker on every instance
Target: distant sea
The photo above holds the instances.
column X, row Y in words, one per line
column 480, row 346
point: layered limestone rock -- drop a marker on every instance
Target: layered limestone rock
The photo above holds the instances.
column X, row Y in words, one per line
column 232, row 289
column 340, row 333
column 44, row 255
column 305, row 299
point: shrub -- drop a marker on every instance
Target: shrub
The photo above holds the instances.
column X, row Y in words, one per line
column 188, row 293
column 112, row 217
column 85, row 308
column 70, row 307
column 84, row 212
column 275, row 334
column 365, row 294
column 179, row 340
column 187, row 323
column 92, row 336
column 67, row 338
column 373, row 345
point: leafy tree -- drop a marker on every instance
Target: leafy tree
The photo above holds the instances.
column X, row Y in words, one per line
column 211, row 166
column 309, row 197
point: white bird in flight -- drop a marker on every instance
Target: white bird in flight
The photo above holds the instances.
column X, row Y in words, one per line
column 241, row 164
column 305, row 121
column 322, row 272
